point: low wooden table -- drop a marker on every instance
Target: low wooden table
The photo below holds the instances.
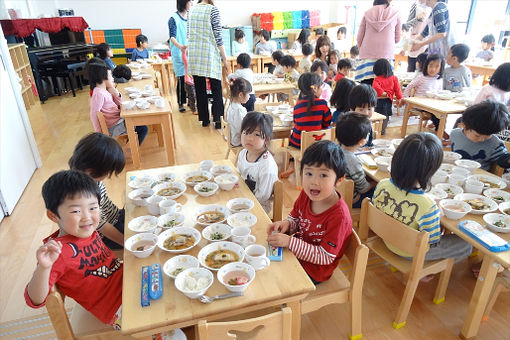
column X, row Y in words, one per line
column 485, row 70
column 166, row 69
column 281, row 283
column 276, row 88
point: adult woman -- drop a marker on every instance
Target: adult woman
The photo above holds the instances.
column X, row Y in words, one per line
column 322, row 48
column 206, row 52
column 178, row 43
column 416, row 22
column 437, row 35
column 379, row 31
column 302, row 39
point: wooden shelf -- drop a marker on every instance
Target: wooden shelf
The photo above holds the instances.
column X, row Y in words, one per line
column 22, row 66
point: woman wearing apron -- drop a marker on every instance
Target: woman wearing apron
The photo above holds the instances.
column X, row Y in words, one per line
column 206, row 52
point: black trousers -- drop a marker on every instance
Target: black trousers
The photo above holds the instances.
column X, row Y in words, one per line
column 181, row 91
column 202, row 101
column 411, row 64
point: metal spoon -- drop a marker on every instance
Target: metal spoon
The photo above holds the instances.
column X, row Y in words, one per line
column 209, row 299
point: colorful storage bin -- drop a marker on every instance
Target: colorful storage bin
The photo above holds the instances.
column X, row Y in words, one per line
column 305, row 19
column 296, row 19
column 287, row 20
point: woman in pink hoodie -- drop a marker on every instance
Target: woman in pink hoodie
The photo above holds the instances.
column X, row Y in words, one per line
column 379, row 31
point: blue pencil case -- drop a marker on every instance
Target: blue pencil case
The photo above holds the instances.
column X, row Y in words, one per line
column 485, row 237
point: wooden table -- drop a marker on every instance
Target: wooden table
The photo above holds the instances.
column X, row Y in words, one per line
column 276, row 88
column 485, row 70
column 281, row 283
column 440, row 108
column 267, row 59
column 254, row 65
column 166, row 69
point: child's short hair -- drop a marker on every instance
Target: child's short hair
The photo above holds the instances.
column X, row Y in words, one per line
column 421, row 58
column 238, row 33
column 332, row 53
column 501, row 77
column 489, row 39
column 97, row 73
column 461, row 51
column 102, row 48
column 307, row 49
column 99, row 155
column 342, row 30
column 362, row 95
column 354, row 50
column 431, row 58
column 264, row 122
column 416, row 159
column 244, row 60
column 319, row 64
column 319, row 31
column 67, row 184
column 352, row 127
column 382, row 67
column 121, row 71
column 340, row 97
column 288, row 61
column 238, row 86
column 140, row 39
column 277, row 55
column 264, row 34
column 486, row 118
column 344, row 62
column 325, row 152
column 181, row 5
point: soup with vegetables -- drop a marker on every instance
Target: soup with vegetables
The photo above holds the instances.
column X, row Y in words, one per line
column 196, row 179
column 142, row 245
column 240, row 207
column 179, row 241
column 210, row 217
column 171, row 191
column 219, row 258
column 236, row 278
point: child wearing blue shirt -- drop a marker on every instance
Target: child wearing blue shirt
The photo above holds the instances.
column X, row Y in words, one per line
column 105, row 52
column 140, row 52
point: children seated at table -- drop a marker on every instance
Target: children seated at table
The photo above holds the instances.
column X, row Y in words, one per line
column 317, row 229
column 354, row 56
column 276, row 68
column 352, row 131
column 288, row 64
column 301, row 40
column 420, row 61
column 107, row 99
column 264, row 46
column 363, row 99
column 244, row 71
column 477, row 140
column 100, row 157
column 239, row 45
column 305, row 63
column 240, row 91
column 121, row 74
column 321, row 68
column 340, row 98
column 105, row 52
column 498, row 88
column 333, row 59
column 322, row 48
column 255, row 163
column 403, row 197
column 386, row 85
column 457, row 76
column 344, row 67
column 487, row 52
column 140, row 52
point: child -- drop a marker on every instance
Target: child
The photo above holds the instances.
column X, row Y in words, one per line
column 105, row 52
column 74, row 256
column 317, row 229
column 319, row 32
column 341, row 44
column 244, row 71
column 301, row 40
column 100, row 156
column 275, row 67
column 240, row 91
column 457, row 76
column 402, row 196
column 420, row 61
column 488, row 42
column 264, row 46
column 354, row 56
column 340, row 97
column 386, row 85
column 477, row 141
column 352, row 130
column 322, row 48
column 343, row 68
column 363, row 99
column 140, row 52
column 121, row 74
column 332, row 65
column 305, row 63
column 239, row 45
column 107, row 99
column 498, row 88
column 255, row 164
column 288, row 64
column 320, row 68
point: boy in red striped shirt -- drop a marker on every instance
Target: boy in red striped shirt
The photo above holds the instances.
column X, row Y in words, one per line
column 318, row 228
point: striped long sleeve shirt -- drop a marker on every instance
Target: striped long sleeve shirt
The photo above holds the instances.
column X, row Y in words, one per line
column 109, row 211
column 422, row 84
column 319, row 118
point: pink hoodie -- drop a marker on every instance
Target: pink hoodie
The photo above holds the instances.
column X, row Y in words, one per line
column 378, row 32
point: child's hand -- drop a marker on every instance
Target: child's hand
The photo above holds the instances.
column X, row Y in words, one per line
column 183, row 48
column 114, row 92
column 401, row 102
column 48, row 253
column 279, row 240
column 278, row 227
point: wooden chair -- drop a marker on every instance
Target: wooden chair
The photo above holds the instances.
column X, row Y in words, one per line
column 225, row 130
column 496, row 169
column 122, row 139
column 340, row 289
column 278, row 201
column 81, row 325
column 346, row 189
column 410, row 241
column 502, row 284
column 307, row 139
column 274, row 326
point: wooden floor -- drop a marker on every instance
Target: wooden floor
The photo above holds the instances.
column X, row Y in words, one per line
column 61, row 121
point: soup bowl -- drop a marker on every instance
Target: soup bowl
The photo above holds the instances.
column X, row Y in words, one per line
column 141, row 245
column 454, row 209
column 185, row 237
column 240, row 205
column 178, row 189
column 236, row 276
column 143, row 224
column 215, row 255
column 192, row 178
column 209, row 214
column 139, row 196
column 171, row 220
column 178, row 264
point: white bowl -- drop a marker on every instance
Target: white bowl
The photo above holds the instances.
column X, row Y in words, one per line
column 143, row 105
column 504, row 208
column 146, row 75
column 451, row 157
column 221, row 169
column 143, row 224
column 454, row 209
column 493, row 218
column 451, row 190
column 142, row 181
column 171, row 220
column 222, row 232
column 383, row 163
column 181, row 262
column 382, row 143
column 382, row 152
column 211, row 208
column 134, row 95
column 430, row 94
column 166, row 177
column 178, row 231
column 181, row 187
column 204, row 176
column 396, row 142
column 497, row 195
column 148, row 240
column 231, row 268
column 206, row 165
column 128, row 105
column 226, row 181
column 467, row 164
column 131, row 89
column 189, row 277
column 490, row 181
column 286, row 120
column 439, row 176
column 152, row 99
column 147, row 93
column 240, row 205
column 139, row 196
column 449, row 168
column 491, row 205
column 242, row 219
column 437, row 194
column 206, row 189
column 221, row 247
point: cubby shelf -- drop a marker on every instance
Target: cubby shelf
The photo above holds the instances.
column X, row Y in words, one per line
column 22, row 66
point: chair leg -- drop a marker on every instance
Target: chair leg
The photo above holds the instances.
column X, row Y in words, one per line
column 444, row 278
column 355, row 305
column 499, row 288
column 228, row 151
column 405, row 305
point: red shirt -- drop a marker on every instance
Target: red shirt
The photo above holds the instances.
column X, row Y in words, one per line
column 389, row 85
column 339, row 76
column 319, row 118
column 319, row 240
column 88, row 272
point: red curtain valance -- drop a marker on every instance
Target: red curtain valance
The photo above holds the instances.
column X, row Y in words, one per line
column 25, row 27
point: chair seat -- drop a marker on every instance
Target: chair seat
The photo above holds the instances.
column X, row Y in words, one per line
column 85, row 324
column 337, row 284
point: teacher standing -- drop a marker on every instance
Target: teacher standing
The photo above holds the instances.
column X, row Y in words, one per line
column 206, row 52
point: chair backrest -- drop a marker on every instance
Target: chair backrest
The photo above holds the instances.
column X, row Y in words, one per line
column 357, row 254
column 310, row 137
column 278, row 201
column 346, row 189
column 274, row 326
column 102, row 122
column 225, row 130
column 58, row 315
